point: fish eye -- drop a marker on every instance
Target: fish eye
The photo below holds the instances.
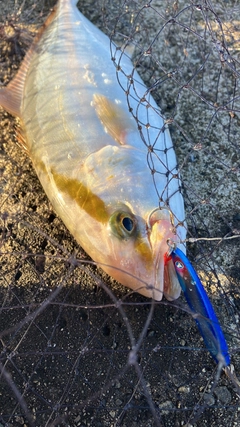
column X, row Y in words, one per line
column 128, row 223
column 123, row 224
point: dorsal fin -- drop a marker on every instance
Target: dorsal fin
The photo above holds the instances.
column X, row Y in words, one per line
column 116, row 121
column 11, row 96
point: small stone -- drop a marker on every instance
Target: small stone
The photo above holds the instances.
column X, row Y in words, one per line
column 166, row 407
column 184, row 389
column 209, row 399
column 117, row 384
column 223, row 394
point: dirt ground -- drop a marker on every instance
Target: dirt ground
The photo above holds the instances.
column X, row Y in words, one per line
column 66, row 328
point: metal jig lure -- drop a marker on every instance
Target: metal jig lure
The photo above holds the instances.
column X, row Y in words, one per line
column 200, row 306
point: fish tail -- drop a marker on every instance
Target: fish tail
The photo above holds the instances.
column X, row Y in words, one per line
column 12, row 95
column 10, row 100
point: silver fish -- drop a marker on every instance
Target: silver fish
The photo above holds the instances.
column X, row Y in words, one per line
column 84, row 143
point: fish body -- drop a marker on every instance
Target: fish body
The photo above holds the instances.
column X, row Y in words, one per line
column 80, row 132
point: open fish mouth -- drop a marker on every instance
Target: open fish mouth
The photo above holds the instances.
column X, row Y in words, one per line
column 161, row 223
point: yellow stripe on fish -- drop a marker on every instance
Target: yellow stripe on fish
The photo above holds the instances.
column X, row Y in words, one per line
column 84, row 197
column 84, row 143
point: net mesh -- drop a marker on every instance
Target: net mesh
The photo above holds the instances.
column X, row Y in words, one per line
column 77, row 348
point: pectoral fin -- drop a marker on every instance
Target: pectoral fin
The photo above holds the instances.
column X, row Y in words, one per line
column 116, row 121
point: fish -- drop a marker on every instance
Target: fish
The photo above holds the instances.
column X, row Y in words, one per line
column 101, row 149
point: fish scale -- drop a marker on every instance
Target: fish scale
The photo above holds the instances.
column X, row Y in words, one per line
column 95, row 145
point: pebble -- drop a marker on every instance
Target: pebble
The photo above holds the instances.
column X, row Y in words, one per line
column 223, row 394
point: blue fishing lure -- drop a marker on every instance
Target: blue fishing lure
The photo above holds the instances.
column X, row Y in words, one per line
column 200, row 304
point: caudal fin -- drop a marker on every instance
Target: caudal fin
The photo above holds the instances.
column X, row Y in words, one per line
column 12, row 95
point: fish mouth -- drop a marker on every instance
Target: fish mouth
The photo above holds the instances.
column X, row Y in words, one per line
column 172, row 288
column 165, row 279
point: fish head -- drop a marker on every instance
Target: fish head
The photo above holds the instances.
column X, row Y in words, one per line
column 129, row 239
column 121, row 228
column 137, row 253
